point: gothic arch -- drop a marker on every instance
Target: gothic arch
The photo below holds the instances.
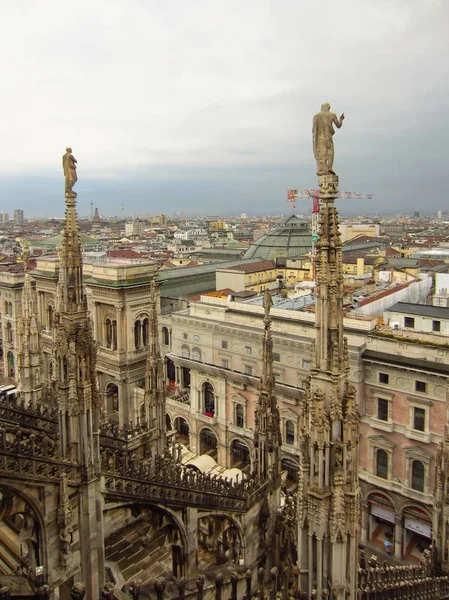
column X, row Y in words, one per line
column 37, row 513
column 163, row 508
column 238, row 525
column 220, row 536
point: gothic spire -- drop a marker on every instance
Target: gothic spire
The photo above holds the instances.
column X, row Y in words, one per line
column 329, row 491
column 267, row 435
column 29, row 350
column 154, row 379
column 74, row 348
column 71, row 296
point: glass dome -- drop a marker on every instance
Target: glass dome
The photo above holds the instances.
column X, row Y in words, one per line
column 292, row 238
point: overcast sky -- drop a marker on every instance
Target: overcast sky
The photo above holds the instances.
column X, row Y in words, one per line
column 205, row 106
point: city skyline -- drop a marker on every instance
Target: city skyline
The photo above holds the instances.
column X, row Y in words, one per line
column 172, row 111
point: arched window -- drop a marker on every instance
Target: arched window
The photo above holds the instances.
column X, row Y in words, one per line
column 9, row 333
column 108, row 333
column 114, row 334
column 289, row 432
column 185, row 351
column 65, row 370
column 145, row 331
column 50, row 311
column 11, row 364
column 239, row 416
column 382, row 464
column 240, row 455
column 171, row 371
column 418, row 473
column 137, row 335
column 209, row 399
column 291, row 468
column 167, row 422
column 208, row 443
column 165, row 336
column 196, row 354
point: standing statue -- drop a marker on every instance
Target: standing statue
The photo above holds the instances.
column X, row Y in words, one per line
column 267, row 302
column 323, row 145
column 69, row 166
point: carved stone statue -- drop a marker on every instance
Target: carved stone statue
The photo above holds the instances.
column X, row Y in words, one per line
column 267, row 302
column 323, row 145
column 69, row 166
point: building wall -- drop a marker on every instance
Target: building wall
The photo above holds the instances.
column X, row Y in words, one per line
column 224, row 332
column 420, row 323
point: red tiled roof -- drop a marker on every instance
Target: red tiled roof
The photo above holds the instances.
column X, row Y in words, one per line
column 262, row 265
column 392, row 252
column 123, row 254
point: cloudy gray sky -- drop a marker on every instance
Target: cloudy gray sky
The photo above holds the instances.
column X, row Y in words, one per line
column 205, row 106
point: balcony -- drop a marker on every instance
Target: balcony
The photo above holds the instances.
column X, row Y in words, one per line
column 182, row 396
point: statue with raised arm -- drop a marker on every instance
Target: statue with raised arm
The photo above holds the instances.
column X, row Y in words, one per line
column 69, row 166
column 323, row 144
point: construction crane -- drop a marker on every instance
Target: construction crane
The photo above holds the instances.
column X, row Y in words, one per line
column 292, row 195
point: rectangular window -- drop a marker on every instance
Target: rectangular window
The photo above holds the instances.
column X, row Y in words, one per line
column 383, row 378
column 420, row 386
column 225, row 363
column 185, row 335
column 277, row 377
column 436, row 326
column 248, row 370
column 224, row 344
column 305, row 364
column 419, row 419
column 409, row 322
column 382, row 409
column 248, row 350
column 276, row 356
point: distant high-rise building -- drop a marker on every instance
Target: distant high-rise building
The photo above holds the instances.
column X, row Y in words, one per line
column 416, row 213
column 18, row 216
column 4, row 217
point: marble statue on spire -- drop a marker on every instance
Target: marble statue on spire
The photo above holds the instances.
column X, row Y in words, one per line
column 323, row 144
column 69, row 166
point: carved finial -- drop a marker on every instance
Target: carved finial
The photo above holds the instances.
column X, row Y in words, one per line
column 78, row 591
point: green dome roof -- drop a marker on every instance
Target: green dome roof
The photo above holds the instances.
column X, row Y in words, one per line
column 292, row 238
column 57, row 240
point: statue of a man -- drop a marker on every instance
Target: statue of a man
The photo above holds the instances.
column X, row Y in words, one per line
column 69, row 166
column 267, row 301
column 323, row 145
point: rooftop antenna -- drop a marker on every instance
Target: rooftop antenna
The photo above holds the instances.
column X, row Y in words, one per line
column 122, row 211
column 91, row 210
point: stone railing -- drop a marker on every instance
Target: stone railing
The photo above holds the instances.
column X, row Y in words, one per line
column 123, row 438
column 435, row 588
column 128, row 475
column 37, row 416
column 30, row 443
